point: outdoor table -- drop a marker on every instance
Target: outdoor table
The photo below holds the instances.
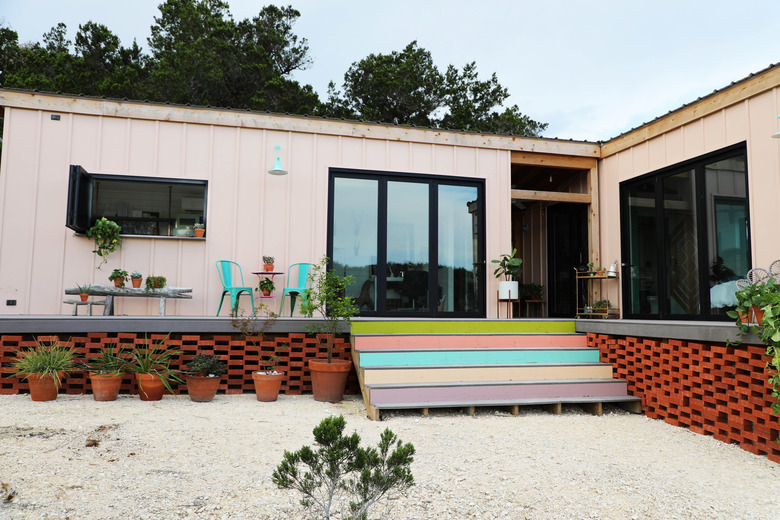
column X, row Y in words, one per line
column 109, row 291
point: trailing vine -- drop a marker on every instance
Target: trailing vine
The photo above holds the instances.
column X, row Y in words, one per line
column 107, row 240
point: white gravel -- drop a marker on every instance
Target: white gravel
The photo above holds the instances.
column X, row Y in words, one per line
column 178, row 459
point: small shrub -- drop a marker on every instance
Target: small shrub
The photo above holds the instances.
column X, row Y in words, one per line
column 341, row 477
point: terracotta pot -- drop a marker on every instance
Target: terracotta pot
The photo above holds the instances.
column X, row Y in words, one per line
column 136, row 282
column 267, row 386
column 745, row 317
column 118, row 282
column 199, row 232
column 84, row 296
column 268, row 267
column 601, row 272
column 328, row 380
column 150, row 387
column 758, row 314
column 266, row 292
column 43, row 387
column 105, row 387
column 202, row 389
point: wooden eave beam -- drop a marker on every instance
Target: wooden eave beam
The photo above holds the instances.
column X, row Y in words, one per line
column 551, row 196
column 554, row 161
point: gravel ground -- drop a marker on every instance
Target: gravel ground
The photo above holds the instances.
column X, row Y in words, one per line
column 75, row 458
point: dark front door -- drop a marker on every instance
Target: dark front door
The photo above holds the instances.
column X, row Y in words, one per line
column 567, row 248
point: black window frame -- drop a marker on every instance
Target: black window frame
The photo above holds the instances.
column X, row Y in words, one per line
column 80, row 214
column 433, row 182
column 696, row 164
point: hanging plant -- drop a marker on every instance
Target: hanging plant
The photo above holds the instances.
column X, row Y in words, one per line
column 107, row 240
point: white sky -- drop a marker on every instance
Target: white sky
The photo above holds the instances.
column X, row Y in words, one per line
column 591, row 69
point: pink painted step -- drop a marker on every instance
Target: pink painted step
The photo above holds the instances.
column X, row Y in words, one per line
column 469, row 341
column 472, row 394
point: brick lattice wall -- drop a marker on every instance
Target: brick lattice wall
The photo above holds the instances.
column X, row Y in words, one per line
column 712, row 389
column 240, row 357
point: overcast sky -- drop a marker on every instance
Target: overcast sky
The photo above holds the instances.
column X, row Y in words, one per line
column 591, row 69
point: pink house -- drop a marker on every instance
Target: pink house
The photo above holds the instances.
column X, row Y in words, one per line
column 680, row 208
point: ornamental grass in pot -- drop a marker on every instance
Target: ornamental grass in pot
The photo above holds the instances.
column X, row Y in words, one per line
column 44, row 367
column 203, row 376
column 327, row 297
column 107, row 371
column 153, row 368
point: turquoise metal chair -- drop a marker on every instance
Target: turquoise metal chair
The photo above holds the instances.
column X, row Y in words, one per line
column 226, row 276
column 296, row 286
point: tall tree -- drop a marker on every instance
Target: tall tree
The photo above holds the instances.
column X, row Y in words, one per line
column 407, row 88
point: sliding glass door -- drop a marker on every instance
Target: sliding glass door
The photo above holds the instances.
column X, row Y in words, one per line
column 413, row 244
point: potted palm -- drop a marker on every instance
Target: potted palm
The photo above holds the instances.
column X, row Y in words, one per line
column 509, row 268
column 43, row 367
column 203, row 377
column 107, row 370
column 327, row 296
column 153, row 369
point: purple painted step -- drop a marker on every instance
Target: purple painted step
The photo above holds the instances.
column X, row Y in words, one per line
column 475, row 393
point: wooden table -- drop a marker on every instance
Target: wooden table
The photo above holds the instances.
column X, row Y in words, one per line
column 109, row 291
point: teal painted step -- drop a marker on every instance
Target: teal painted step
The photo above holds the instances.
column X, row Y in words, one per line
column 462, row 327
column 477, row 357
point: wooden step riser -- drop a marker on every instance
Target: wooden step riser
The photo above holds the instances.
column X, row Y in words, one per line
column 472, row 341
column 462, row 327
column 376, row 376
column 475, row 394
column 477, row 357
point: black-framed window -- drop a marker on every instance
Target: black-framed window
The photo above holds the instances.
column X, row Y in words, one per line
column 686, row 237
column 140, row 205
column 413, row 243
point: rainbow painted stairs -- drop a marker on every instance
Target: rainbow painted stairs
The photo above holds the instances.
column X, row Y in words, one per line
column 473, row 363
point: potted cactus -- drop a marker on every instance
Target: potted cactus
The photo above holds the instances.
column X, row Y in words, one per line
column 135, row 278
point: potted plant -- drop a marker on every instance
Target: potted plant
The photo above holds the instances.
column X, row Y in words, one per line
column 267, row 286
column 590, row 268
column 153, row 369
column 602, row 306
column 601, row 271
column 107, row 370
column 327, row 296
column 43, row 367
column 200, row 229
column 84, row 291
column 118, row 276
column 155, row 282
column 203, row 377
column 268, row 380
column 268, row 263
column 107, row 240
column 136, row 278
column 509, row 268
column 533, row 291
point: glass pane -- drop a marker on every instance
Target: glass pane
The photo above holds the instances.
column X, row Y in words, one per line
column 407, row 246
column 458, row 254
column 643, row 260
column 150, row 208
column 355, row 237
column 729, row 252
column 681, row 238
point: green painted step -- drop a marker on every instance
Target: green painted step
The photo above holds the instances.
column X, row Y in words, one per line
column 462, row 327
column 478, row 357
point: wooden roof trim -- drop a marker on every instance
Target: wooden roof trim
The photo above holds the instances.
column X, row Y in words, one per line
column 554, row 161
column 288, row 123
column 731, row 95
column 551, row 196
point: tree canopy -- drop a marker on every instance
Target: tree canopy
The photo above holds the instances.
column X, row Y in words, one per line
column 199, row 55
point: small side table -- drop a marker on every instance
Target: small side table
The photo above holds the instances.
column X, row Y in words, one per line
column 509, row 302
column 266, row 274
